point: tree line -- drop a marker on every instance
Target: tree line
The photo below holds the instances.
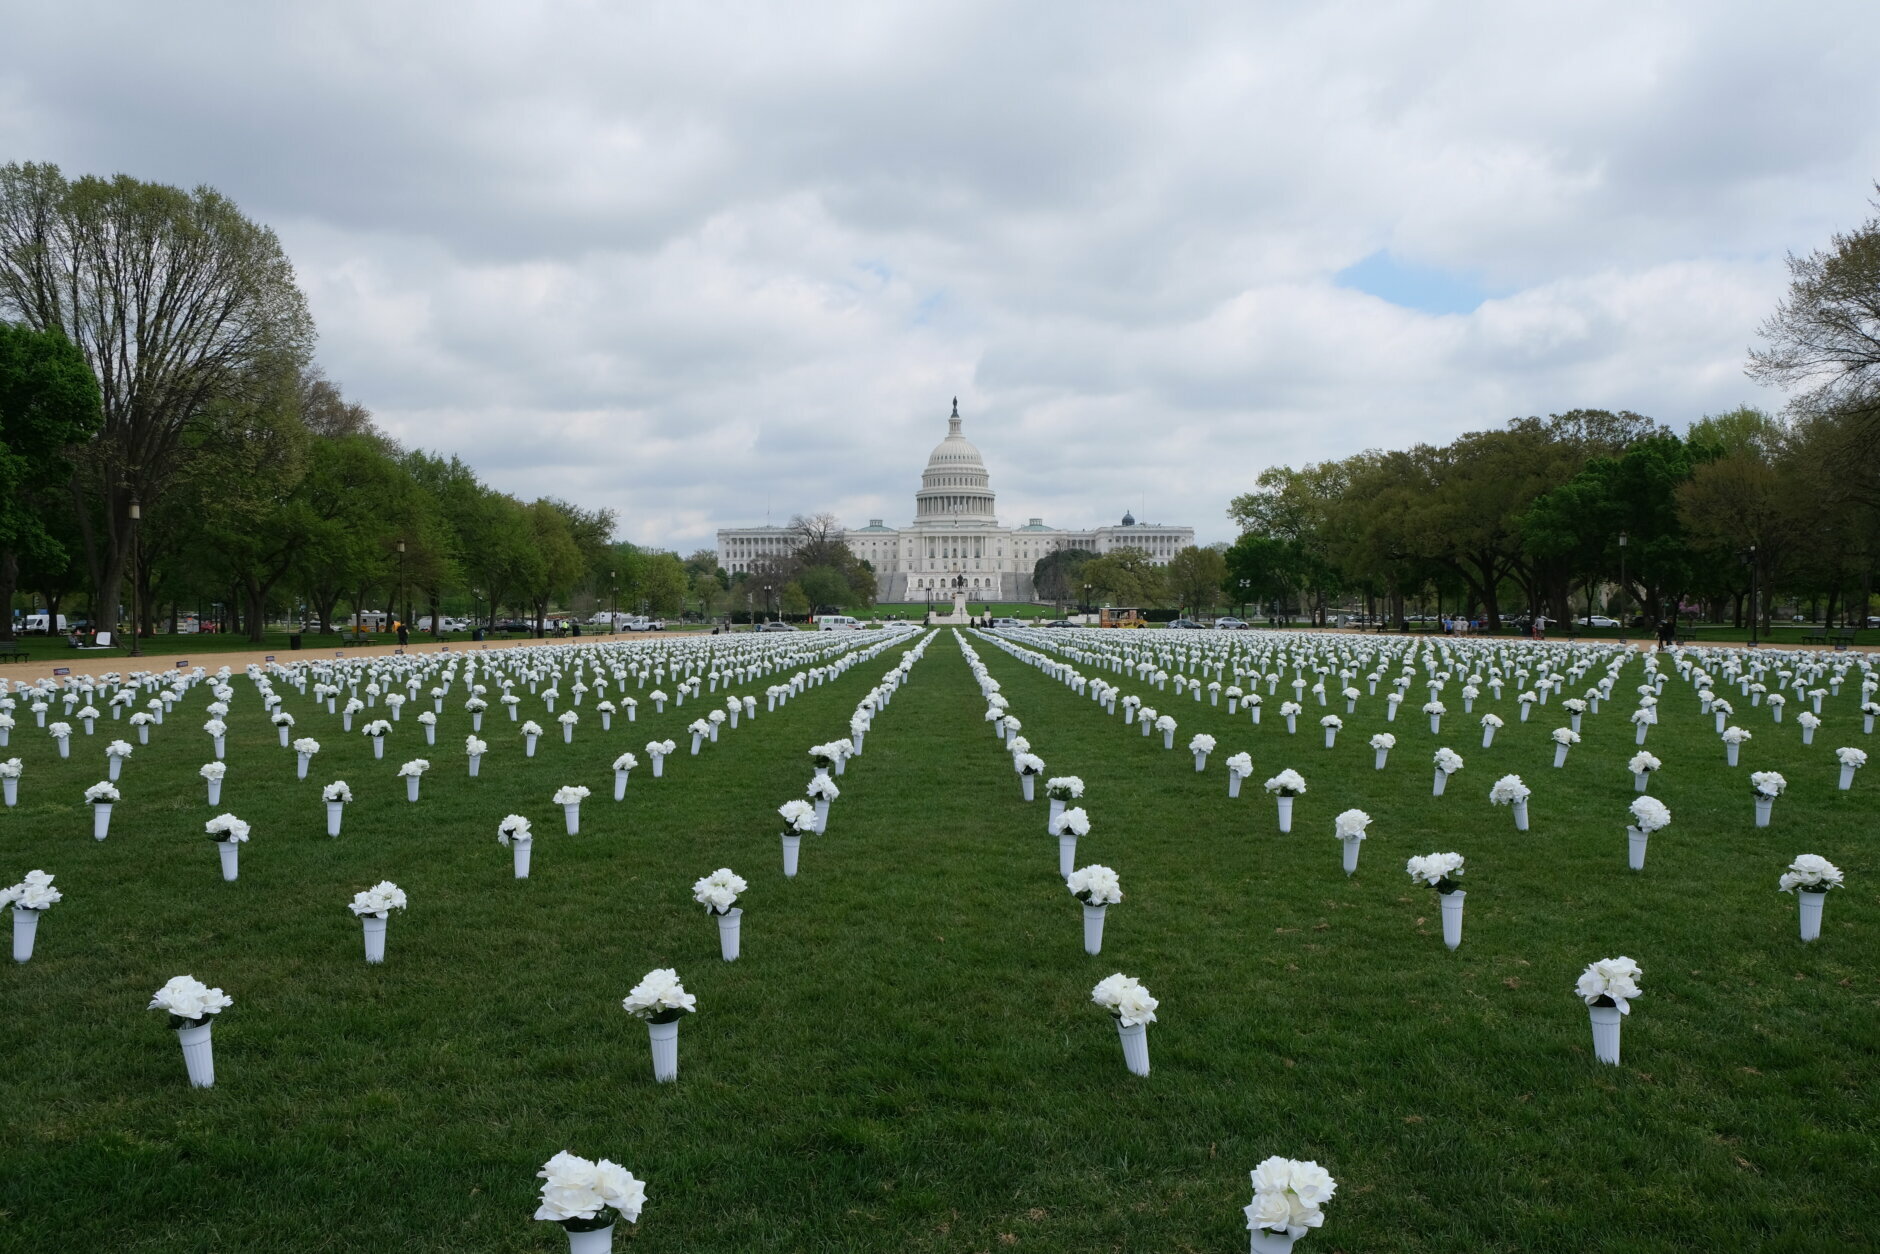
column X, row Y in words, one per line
column 165, row 433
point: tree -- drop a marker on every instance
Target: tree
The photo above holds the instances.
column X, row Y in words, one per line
column 48, row 402
column 556, row 562
column 705, row 587
column 826, row 587
column 1058, row 575
column 662, row 584
column 794, row 600
column 176, row 301
column 1195, row 576
column 1125, row 577
column 1824, row 337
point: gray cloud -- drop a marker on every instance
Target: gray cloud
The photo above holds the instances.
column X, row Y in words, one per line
column 697, row 264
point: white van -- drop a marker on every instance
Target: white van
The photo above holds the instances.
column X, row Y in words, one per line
column 36, row 625
column 837, row 622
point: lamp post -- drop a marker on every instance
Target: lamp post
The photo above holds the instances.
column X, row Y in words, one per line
column 613, row 601
column 1245, row 586
column 137, row 513
column 1754, row 598
column 1623, row 588
column 1086, row 600
column 398, row 599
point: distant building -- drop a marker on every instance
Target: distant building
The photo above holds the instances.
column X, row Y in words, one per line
column 956, row 535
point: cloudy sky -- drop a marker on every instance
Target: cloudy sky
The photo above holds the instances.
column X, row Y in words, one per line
column 710, row 263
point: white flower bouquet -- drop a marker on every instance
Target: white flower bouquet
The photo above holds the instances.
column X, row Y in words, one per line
column 1095, row 885
column 1288, row 1197
column 822, row 788
column 227, row 829
column 799, row 816
column 571, row 794
column 1065, row 787
column 212, row 770
column 35, row 892
column 719, row 891
column 102, row 792
column 1350, row 824
column 1610, row 982
column 414, row 768
column 1073, row 822
column 1650, row 815
column 513, row 827
column 377, row 728
column 1811, row 873
column 1767, row 785
column 1509, row 790
column 337, row 791
column 1125, row 997
column 531, row 728
column 1028, row 763
column 585, row 1196
column 1288, row 783
column 189, row 1001
column 379, row 900
column 1437, row 870
column 659, row 997
column 1448, row 761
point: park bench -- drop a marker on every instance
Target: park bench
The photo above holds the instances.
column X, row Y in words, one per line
column 16, row 655
column 1842, row 639
column 1815, row 637
column 1687, row 639
column 356, row 637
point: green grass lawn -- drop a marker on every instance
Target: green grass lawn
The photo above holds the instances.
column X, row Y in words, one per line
column 906, row 1057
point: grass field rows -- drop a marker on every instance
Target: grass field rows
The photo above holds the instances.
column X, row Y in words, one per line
column 905, row 1056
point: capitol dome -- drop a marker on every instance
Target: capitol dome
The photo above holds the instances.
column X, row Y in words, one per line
column 955, row 483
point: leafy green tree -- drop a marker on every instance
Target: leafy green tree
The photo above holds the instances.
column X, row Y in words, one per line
column 177, row 302
column 826, row 587
column 1126, row 577
column 1058, row 576
column 49, row 401
column 794, row 600
column 662, row 585
column 1195, row 576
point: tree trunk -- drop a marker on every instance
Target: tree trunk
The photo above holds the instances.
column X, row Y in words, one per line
column 9, row 582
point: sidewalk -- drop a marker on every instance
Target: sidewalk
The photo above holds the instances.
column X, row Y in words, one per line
column 99, row 662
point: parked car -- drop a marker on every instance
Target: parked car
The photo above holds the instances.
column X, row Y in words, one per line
column 1007, row 622
column 1598, row 620
column 1060, row 622
column 1229, row 624
column 1185, row 624
column 775, row 627
column 513, row 624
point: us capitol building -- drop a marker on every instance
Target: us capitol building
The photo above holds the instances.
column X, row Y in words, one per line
column 956, row 534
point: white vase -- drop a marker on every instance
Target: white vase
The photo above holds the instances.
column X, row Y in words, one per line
column 334, row 811
column 520, row 850
column 528, row 746
column 1488, row 736
column 1452, row 916
column 1057, row 809
column 476, row 720
column 1067, row 855
column 822, row 816
column 1201, row 759
column 1521, row 815
column 230, row 853
column 1573, row 720
column 345, row 722
column 1765, row 806
column 1256, row 714
column 1720, row 723
column 1811, row 904
column 1560, row 755
column 567, row 733
column 1233, row 782
column 25, row 928
column 430, row 733
column 378, row 748
column 1436, row 724
column 1526, row 706
column 1730, row 749
column 1285, row 814
column 215, row 791
column 300, row 765
column 10, row 790
column 1292, row 725
column 665, row 1041
column 594, row 1241
column 1640, row 780
column 659, row 765
column 1093, row 929
column 198, row 1054
column 792, row 846
column 695, row 743
column 1635, row 847
column 1267, row 1241
column 1145, row 725
column 375, row 937
column 1135, row 1047
column 1639, row 739
column 476, row 764
column 285, row 732
column 411, row 787
column 571, row 816
column 1351, row 844
column 1381, row 756
column 1605, row 1033
column 1028, row 782
column 730, row 930
column 1331, row 735
column 220, row 747
column 1440, row 782
column 1847, row 777
column 100, row 820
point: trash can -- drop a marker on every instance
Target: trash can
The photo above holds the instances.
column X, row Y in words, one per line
column 293, row 640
